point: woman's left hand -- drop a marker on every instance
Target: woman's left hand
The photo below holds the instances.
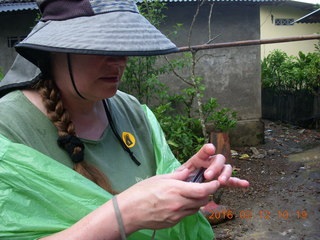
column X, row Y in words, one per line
column 215, row 167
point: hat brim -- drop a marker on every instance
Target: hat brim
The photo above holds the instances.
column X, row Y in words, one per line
column 114, row 33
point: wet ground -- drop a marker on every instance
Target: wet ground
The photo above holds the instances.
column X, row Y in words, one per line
column 283, row 200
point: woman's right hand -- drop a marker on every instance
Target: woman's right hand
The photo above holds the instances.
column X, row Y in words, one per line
column 162, row 201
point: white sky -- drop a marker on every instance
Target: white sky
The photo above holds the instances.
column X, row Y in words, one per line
column 309, row 1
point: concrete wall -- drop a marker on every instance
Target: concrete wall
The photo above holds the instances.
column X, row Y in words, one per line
column 232, row 75
column 17, row 23
column 270, row 30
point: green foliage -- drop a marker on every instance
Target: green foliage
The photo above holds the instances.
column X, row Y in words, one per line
column 184, row 61
column 282, row 72
column 141, row 80
column 1, row 74
column 153, row 11
column 183, row 130
column 223, row 119
column 183, row 133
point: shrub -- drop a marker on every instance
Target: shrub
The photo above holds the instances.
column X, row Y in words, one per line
column 183, row 130
column 183, row 133
column 282, row 72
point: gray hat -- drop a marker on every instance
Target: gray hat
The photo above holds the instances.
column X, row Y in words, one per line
column 99, row 27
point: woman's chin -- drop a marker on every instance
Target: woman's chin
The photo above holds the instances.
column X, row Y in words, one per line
column 110, row 92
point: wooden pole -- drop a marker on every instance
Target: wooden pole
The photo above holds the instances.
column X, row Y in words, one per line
column 249, row 42
column 222, row 143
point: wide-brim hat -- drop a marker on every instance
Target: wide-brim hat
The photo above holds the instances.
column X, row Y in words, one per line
column 100, row 27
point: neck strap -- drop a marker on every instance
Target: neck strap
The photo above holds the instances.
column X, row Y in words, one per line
column 72, row 78
column 124, row 146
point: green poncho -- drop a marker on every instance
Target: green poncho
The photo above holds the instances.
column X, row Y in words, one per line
column 39, row 196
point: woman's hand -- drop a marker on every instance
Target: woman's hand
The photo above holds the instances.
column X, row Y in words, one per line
column 216, row 167
column 162, row 201
column 157, row 202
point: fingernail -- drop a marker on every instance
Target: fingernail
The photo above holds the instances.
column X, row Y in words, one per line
column 223, row 179
column 217, row 183
column 209, row 174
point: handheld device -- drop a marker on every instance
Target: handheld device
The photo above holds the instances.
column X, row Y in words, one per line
column 196, row 176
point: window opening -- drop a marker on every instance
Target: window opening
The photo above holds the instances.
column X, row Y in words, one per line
column 13, row 40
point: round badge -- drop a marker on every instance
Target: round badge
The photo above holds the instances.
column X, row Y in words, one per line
column 128, row 139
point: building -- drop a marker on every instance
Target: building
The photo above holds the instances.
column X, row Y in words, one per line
column 16, row 20
column 280, row 20
column 232, row 75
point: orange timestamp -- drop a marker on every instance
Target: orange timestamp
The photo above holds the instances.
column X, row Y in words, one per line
column 300, row 214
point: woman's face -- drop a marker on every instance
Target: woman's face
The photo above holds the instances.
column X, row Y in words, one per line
column 96, row 77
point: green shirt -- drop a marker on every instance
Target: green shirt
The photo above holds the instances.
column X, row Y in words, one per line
column 22, row 122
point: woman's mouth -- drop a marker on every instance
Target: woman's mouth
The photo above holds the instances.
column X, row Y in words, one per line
column 112, row 79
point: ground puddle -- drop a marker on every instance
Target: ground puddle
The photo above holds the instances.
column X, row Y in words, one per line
column 310, row 158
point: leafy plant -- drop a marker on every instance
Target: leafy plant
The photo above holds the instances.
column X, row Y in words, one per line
column 223, row 119
column 282, row 72
column 1, row 74
column 183, row 133
column 153, row 11
column 183, row 130
column 141, row 80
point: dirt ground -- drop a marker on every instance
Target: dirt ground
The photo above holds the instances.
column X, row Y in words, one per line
column 283, row 200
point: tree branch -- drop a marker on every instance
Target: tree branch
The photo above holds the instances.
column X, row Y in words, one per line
column 204, row 55
column 212, row 39
column 177, row 74
column 193, row 21
column 209, row 22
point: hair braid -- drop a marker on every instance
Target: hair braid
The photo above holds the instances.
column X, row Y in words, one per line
column 61, row 119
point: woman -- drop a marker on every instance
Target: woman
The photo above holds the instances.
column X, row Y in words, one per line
column 73, row 113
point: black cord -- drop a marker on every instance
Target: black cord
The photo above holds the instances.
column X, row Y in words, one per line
column 72, row 78
column 124, row 146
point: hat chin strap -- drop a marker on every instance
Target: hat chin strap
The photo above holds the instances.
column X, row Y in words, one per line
column 72, row 78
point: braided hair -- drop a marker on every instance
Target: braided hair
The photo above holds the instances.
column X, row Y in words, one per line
column 68, row 140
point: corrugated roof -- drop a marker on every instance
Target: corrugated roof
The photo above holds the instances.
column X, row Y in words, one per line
column 16, row 1
column 9, row 7
column 22, row 1
column 313, row 17
column 223, row 0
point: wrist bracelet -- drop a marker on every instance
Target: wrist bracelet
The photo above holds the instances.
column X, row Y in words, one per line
column 119, row 218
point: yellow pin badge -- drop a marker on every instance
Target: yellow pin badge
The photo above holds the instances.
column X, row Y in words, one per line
column 128, row 139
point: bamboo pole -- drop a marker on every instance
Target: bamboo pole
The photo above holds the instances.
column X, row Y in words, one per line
column 249, row 42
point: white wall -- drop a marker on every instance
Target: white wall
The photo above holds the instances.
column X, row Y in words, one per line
column 270, row 30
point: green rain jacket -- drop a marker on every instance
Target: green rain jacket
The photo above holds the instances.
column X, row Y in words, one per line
column 40, row 196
